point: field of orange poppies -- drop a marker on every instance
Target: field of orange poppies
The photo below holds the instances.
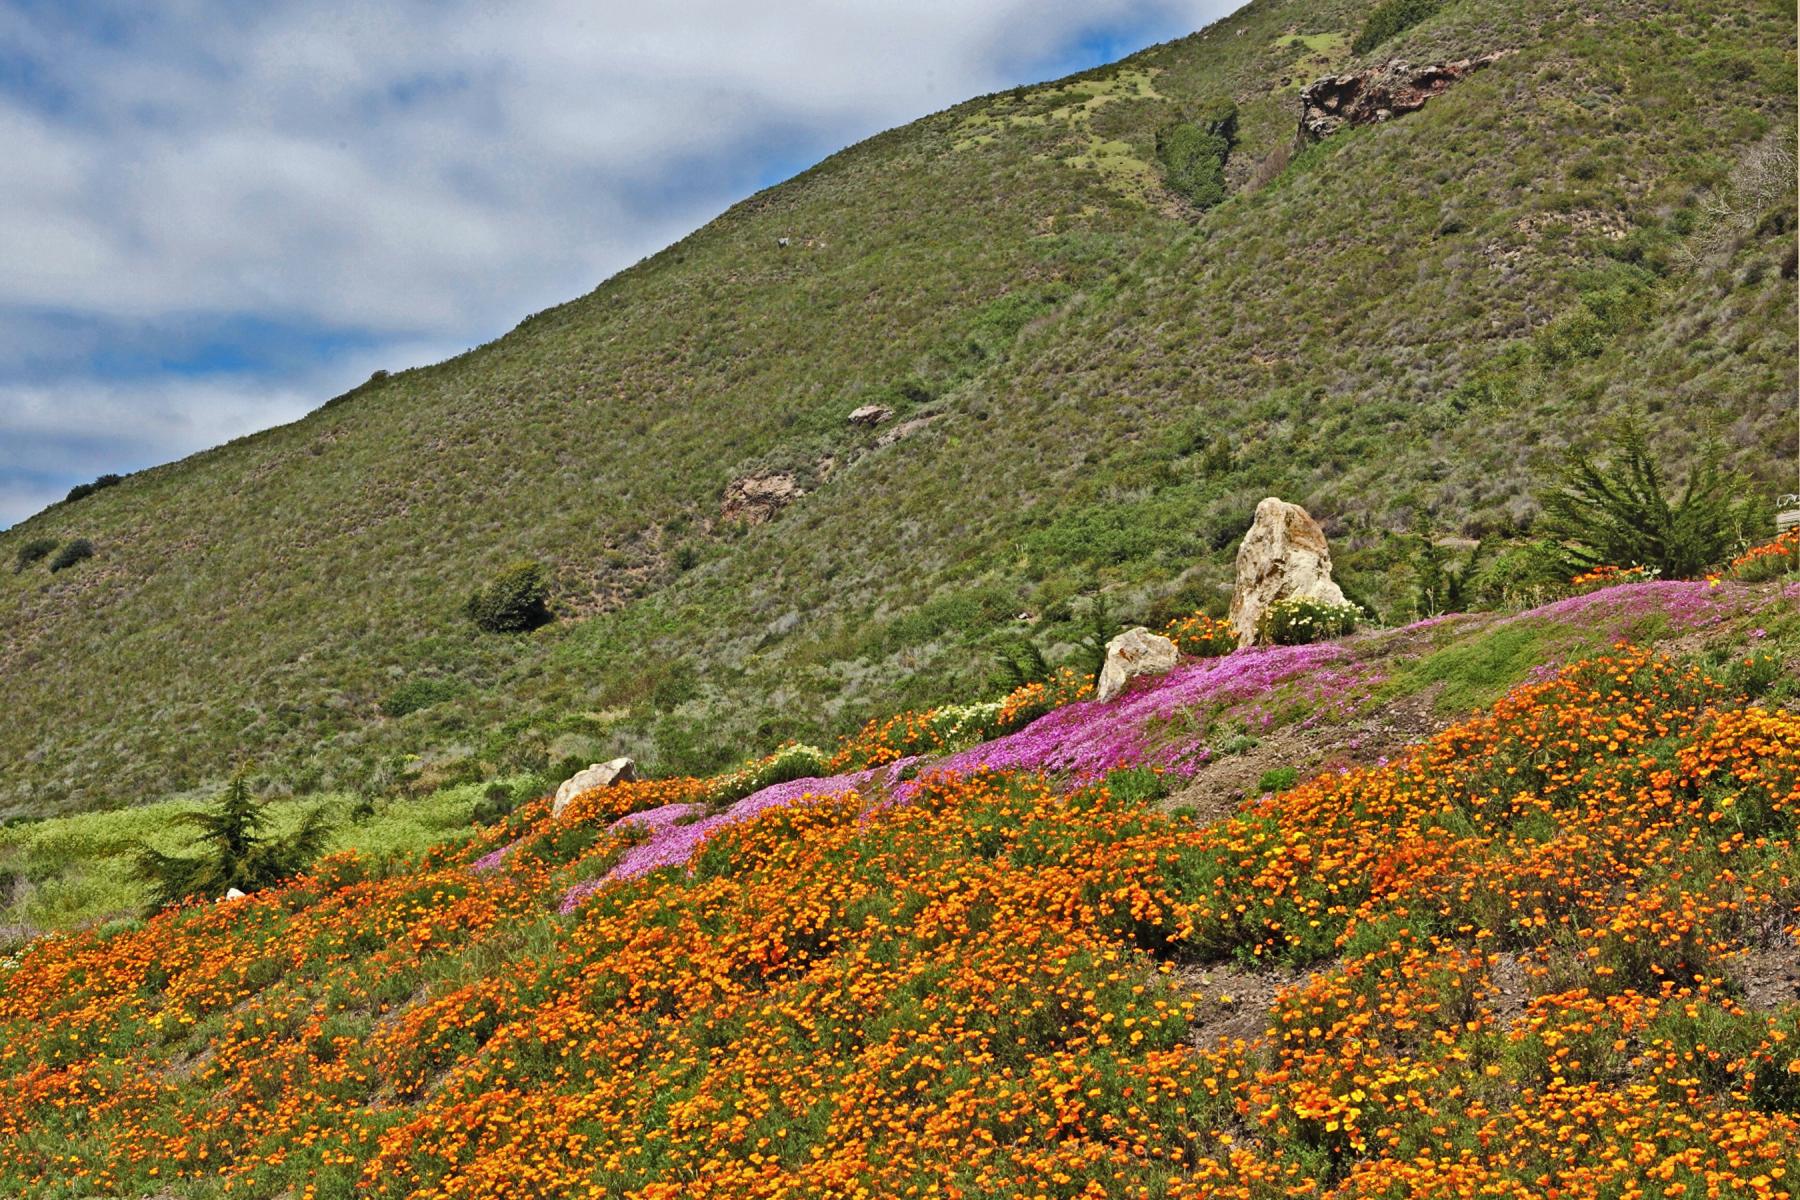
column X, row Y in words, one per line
column 1548, row 952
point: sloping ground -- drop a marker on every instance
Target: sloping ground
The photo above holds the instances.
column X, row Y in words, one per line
column 1526, row 957
column 1399, row 326
column 1218, row 731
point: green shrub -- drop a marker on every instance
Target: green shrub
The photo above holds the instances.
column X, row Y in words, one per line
column 1137, row 785
column 72, row 553
column 1193, row 154
column 1390, row 18
column 415, row 694
column 514, row 601
column 1280, row 779
column 792, row 761
column 496, row 804
column 33, row 551
column 1620, row 512
column 81, row 490
column 1297, row 621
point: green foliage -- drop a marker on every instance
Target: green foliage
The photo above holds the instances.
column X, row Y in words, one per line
column 1137, row 785
column 82, row 490
column 76, row 551
column 234, row 850
column 1389, row 18
column 1193, row 154
column 792, row 761
column 33, row 551
column 1017, row 662
column 1445, row 586
column 1278, row 779
column 1619, row 511
column 497, row 802
column 1298, row 620
column 514, row 601
column 1098, row 628
column 416, row 694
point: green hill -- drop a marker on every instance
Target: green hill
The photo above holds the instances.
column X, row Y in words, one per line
column 1096, row 377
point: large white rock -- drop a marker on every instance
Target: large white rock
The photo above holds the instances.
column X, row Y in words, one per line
column 599, row 775
column 1284, row 554
column 1134, row 652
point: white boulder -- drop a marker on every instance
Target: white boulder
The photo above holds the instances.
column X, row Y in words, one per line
column 1284, row 554
column 1135, row 652
column 599, row 775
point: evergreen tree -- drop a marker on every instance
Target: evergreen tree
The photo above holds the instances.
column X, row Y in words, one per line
column 233, row 850
column 1619, row 512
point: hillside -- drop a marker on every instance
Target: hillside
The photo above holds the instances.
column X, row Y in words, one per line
column 1097, row 379
column 1549, row 949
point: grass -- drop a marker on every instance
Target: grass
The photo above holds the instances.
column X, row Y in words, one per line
column 1401, row 326
column 74, row 871
column 1480, row 670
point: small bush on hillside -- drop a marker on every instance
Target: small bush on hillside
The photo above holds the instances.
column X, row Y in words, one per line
column 233, row 851
column 33, row 551
column 514, row 601
column 1278, row 779
column 1193, row 154
column 1390, row 18
column 1621, row 511
column 82, row 490
column 1137, row 785
column 792, row 761
column 1296, row 621
column 415, row 694
column 496, row 804
column 72, row 553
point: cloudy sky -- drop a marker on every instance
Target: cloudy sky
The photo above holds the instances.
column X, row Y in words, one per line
column 214, row 216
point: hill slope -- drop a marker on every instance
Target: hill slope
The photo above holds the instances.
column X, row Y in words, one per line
column 1550, row 949
column 1098, row 381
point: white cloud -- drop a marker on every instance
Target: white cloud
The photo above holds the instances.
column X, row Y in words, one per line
column 415, row 170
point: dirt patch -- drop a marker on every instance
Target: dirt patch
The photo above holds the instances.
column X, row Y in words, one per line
column 1512, row 989
column 1232, row 1002
column 1769, row 975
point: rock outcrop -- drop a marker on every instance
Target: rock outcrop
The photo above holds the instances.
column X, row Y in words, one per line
column 1135, row 652
column 598, row 775
column 1378, row 94
column 871, row 415
column 1284, row 554
column 758, row 498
